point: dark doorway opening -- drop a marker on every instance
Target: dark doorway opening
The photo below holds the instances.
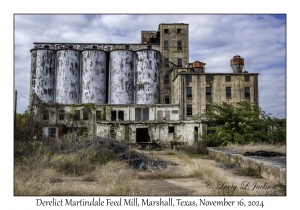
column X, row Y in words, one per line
column 196, row 134
column 142, row 135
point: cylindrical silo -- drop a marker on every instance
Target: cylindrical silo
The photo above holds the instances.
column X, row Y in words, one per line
column 93, row 77
column 43, row 74
column 146, row 67
column 121, row 76
column 67, row 76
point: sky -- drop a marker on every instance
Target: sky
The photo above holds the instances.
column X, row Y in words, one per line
column 214, row 39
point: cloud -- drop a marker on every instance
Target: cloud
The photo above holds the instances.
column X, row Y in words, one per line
column 213, row 39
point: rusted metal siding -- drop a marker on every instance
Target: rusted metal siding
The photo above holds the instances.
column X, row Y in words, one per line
column 68, row 76
column 146, row 63
column 93, row 77
column 43, row 74
column 121, row 75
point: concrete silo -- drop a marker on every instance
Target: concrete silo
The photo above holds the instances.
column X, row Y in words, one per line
column 146, row 67
column 121, row 77
column 67, row 76
column 93, row 77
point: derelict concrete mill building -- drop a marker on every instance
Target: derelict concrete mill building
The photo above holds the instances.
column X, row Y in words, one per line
column 145, row 92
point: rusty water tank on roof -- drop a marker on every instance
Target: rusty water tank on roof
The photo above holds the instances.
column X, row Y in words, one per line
column 237, row 64
column 199, row 67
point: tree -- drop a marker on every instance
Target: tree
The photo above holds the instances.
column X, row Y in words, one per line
column 239, row 123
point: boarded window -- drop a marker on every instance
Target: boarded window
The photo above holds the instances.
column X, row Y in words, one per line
column 228, row 92
column 77, row 115
column 61, row 114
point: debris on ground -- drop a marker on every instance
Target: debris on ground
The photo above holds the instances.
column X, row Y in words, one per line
column 262, row 153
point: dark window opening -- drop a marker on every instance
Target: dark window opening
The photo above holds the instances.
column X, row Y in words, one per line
column 167, row 100
column 94, row 47
column 208, row 92
column 179, row 45
column 166, row 45
column 167, row 79
column 189, row 110
column 228, row 78
column 179, row 30
column 247, row 92
column 228, row 92
column 112, row 132
column 189, row 92
column 145, row 113
column 208, row 78
column 142, row 135
column 171, row 129
column 126, row 47
column 99, row 115
column 138, row 113
column 166, row 31
column 121, row 115
column 113, row 115
column 246, row 78
column 85, row 115
column 77, row 115
column 45, row 115
column 61, row 114
column 189, row 78
column 149, row 47
column 166, row 62
column 46, row 46
column 141, row 114
column 179, row 62
column 52, row 132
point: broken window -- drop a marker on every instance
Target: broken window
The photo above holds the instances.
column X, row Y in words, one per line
column 179, row 62
column 228, row 78
column 208, row 78
column 167, row 100
column 113, row 115
column 99, row 115
column 52, row 132
column 189, row 110
column 61, row 114
column 179, row 45
column 45, row 115
column 208, row 92
column 171, row 129
column 247, row 92
column 246, row 78
column 189, row 92
column 166, row 31
column 77, row 115
column 166, row 45
column 121, row 115
column 167, row 80
column 228, row 92
column 188, row 78
column 179, row 30
column 166, row 62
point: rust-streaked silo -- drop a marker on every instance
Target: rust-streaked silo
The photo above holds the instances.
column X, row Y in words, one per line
column 121, row 77
column 93, row 77
column 43, row 74
column 146, row 67
column 67, row 76
column 237, row 64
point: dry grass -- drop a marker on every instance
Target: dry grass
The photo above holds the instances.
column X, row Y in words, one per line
column 258, row 146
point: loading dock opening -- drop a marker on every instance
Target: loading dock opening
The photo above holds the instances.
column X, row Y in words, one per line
column 142, row 135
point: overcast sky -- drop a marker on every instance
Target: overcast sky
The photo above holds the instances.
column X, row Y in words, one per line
column 213, row 39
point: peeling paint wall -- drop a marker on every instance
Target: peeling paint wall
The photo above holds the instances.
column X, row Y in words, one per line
column 93, row 78
column 147, row 76
column 43, row 74
column 68, row 77
column 121, row 76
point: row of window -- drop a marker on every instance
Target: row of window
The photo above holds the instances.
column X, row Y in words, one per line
column 166, row 30
column 167, row 63
column 209, row 94
column 208, row 77
column 166, row 45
